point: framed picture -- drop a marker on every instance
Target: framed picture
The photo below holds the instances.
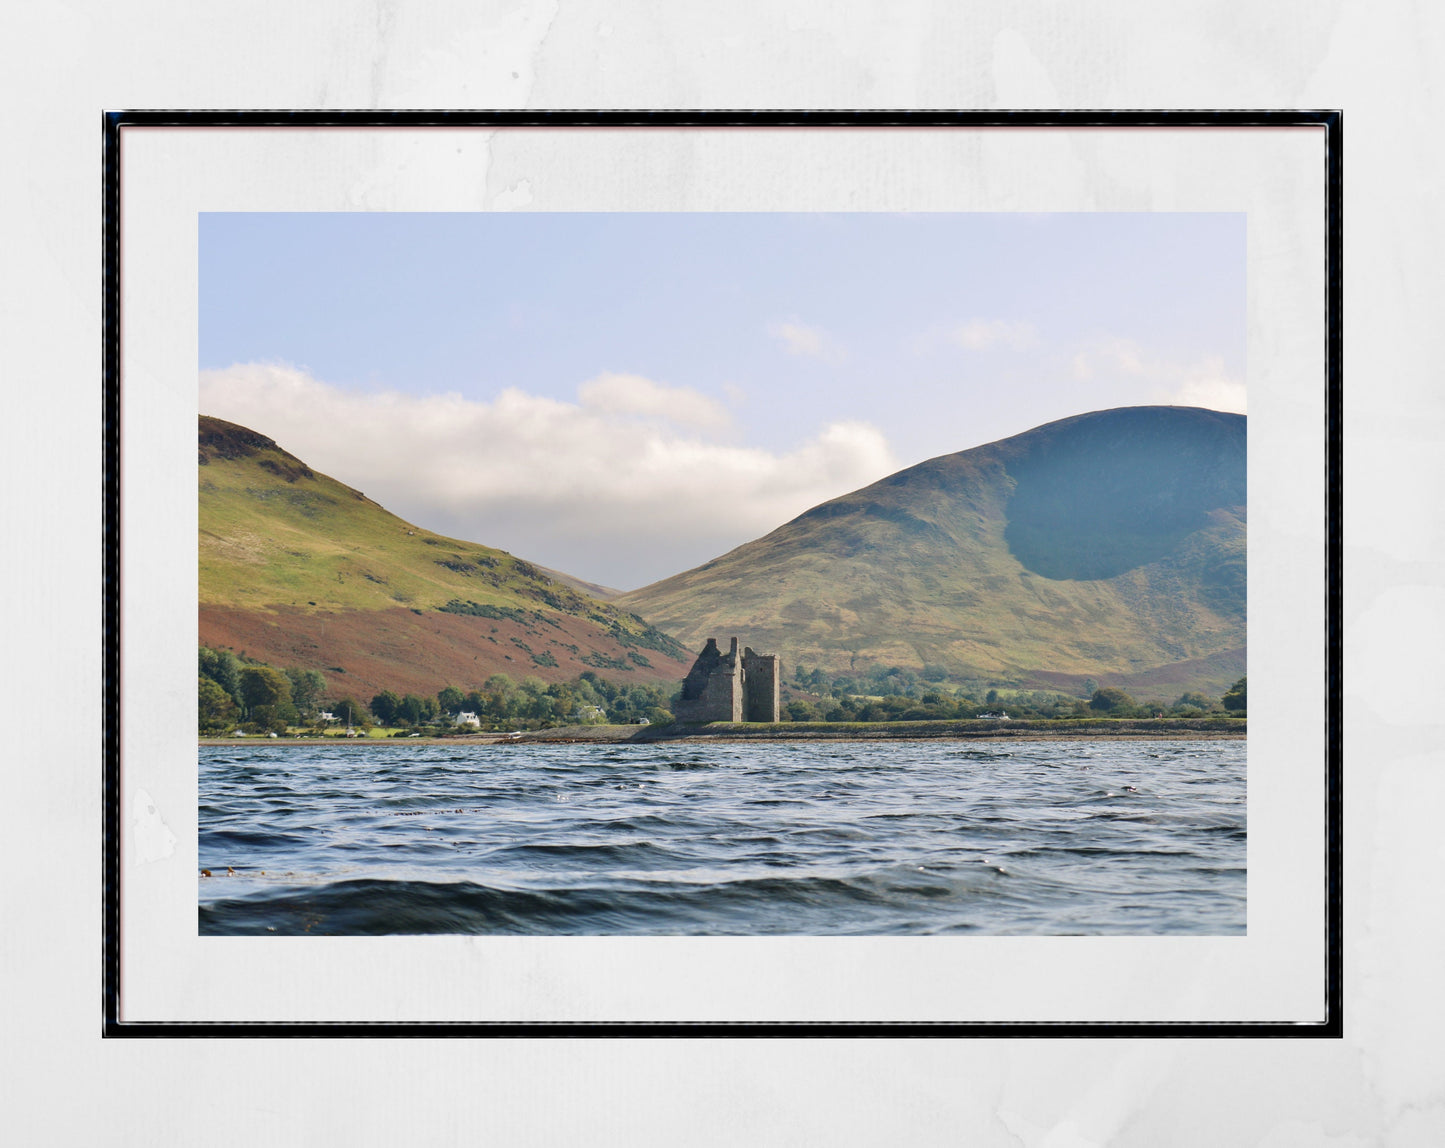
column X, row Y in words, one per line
column 519, row 431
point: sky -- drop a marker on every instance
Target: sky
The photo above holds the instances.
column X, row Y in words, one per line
column 626, row 396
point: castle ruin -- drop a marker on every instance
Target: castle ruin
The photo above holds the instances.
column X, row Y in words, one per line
column 730, row 687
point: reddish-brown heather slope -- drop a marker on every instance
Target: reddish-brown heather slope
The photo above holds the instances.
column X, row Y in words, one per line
column 297, row 569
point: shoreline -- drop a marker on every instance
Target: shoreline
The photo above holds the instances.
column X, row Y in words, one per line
column 1126, row 729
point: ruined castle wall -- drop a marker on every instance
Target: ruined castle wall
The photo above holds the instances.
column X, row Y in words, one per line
column 725, row 694
column 761, row 686
column 691, row 709
column 713, row 690
column 732, row 687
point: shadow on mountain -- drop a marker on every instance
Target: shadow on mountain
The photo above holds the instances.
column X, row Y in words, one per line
column 1096, row 497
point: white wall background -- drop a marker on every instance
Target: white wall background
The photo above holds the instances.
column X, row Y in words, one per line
column 1383, row 1084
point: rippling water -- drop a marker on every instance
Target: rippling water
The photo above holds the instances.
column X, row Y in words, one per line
column 1087, row 837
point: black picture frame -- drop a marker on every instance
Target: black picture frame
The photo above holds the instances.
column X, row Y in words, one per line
column 114, row 122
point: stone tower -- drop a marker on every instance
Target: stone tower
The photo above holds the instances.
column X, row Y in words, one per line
column 730, row 687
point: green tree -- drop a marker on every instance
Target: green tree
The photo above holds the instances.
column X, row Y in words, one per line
column 799, row 710
column 223, row 668
column 307, row 686
column 1236, row 699
column 351, row 712
column 450, row 699
column 587, row 694
column 214, row 707
column 264, row 687
column 1111, row 701
column 537, row 707
column 417, row 710
column 497, row 708
column 385, row 706
column 500, row 691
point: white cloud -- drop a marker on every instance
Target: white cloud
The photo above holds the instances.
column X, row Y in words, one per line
column 809, row 342
column 1213, row 391
column 980, row 334
column 1201, row 383
column 620, row 487
column 634, row 395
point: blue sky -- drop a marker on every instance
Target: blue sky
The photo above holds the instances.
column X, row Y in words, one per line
column 553, row 383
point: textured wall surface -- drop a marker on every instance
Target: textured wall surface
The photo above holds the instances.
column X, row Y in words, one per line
column 760, row 685
column 730, row 687
column 1383, row 1084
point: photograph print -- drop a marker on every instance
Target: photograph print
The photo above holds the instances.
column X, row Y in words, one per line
column 664, row 574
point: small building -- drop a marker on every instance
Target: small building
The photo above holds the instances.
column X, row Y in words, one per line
column 466, row 717
column 734, row 686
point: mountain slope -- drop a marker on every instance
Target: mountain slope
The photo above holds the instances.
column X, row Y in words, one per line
column 1108, row 546
column 298, row 569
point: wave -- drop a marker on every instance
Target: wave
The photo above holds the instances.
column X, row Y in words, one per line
column 792, row 904
column 733, row 840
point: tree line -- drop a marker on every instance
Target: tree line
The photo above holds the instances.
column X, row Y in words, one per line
column 236, row 692
column 892, row 693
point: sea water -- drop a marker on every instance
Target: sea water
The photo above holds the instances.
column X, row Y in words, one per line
column 820, row 838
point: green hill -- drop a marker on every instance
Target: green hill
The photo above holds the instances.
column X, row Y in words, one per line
column 1108, row 546
column 297, row 569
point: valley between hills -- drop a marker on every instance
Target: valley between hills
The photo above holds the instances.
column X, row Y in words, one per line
column 1107, row 548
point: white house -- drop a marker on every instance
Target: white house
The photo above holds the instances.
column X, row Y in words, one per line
column 466, row 717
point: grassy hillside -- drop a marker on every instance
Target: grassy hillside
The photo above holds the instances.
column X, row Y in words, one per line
column 299, row 569
column 1108, row 546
